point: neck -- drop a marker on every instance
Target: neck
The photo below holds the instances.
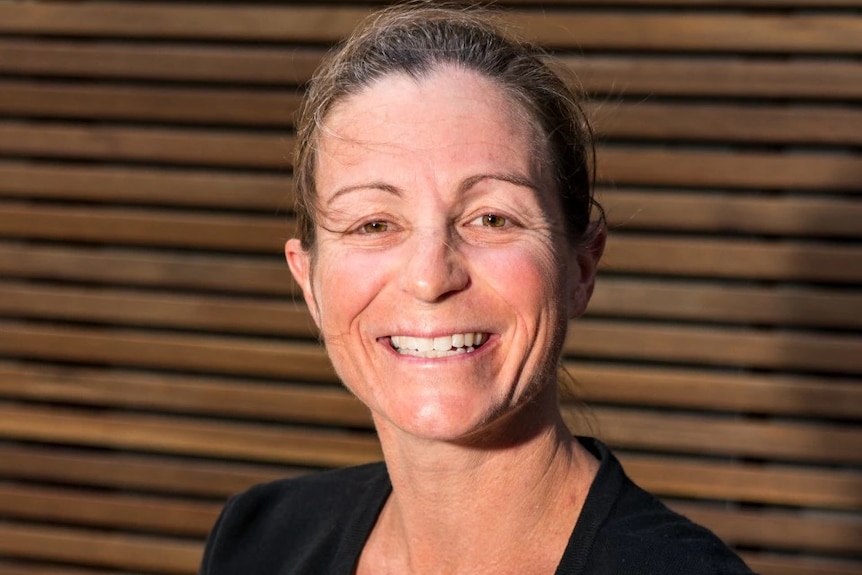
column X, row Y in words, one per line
column 472, row 503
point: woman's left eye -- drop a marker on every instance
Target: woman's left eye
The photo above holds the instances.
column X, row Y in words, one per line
column 491, row 220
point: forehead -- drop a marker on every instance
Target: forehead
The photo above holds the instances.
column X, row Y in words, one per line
column 448, row 110
column 460, row 87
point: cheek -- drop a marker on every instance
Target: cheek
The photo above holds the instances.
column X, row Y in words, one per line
column 529, row 278
column 347, row 284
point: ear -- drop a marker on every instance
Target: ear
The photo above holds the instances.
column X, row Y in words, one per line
column 299, row 262
column 584, row 263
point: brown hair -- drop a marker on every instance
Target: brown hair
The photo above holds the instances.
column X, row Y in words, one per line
column 416, row 39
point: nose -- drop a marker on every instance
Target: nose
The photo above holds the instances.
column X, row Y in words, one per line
column 434, row 269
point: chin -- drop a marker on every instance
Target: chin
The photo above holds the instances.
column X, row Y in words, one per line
column 459, row 423
column 449, row 421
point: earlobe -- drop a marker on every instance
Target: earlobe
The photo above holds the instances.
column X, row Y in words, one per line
column 584, row 265
column 299, row 262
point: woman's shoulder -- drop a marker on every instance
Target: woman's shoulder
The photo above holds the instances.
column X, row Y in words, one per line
column 322, row 488
column 306, row 522
column 306, row 499
column 642, row 536
column 631, row 532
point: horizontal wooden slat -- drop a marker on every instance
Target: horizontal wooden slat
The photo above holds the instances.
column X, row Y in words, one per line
column 761, row 484
column 98, row 548
column 182, row 394
column 644, row 120
column 726, row 303
column 792, row 564
column 723, row 213
column 185, row 63
column 148, row 103
column 839, row 398
column 161, row 270
column 780, row 529
column 798, row 78
column 177, row 187
column 733, row 258
column 215, row 314
column 644, row 31
column 171, row 146
column 256, row 357
column 34, row 568
column 183, row 435
column 646, row 166
column 739, row 78
column 700, row 434
column 146, row 227
column 108, row 510
column 731, row 346
column 660, row 3
column 587, row 30
column 165, row 20
column 788, row 124
column 148, row 473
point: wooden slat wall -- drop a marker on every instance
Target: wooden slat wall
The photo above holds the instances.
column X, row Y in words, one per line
column 154, row 357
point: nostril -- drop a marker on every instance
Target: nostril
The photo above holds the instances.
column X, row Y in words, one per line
column 435, row 271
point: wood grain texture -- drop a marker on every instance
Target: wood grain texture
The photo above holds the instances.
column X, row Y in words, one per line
column 634, row 75
column 99, row 548
column 155, row 356
column 555, row 28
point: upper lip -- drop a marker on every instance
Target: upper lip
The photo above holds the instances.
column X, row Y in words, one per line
column 433, row 334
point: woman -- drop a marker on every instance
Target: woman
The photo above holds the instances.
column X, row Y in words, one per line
column 446, row 238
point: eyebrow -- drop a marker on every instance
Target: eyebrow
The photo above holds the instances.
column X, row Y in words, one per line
column 515, row 179
column 463, row 187
column 383, row 186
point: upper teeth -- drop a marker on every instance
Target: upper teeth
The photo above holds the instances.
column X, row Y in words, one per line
column 437, row 346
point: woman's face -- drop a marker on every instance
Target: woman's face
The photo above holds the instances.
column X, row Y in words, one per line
column 441, row 280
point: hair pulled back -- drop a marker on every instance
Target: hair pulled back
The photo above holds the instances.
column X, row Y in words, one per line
column 416, row 39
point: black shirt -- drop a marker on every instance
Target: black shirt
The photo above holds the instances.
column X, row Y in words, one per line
column 318, row 525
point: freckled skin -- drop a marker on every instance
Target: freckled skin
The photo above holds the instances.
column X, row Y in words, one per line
column 436, row 218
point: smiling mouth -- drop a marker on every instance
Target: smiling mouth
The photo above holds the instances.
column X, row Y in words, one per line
column 443, row 346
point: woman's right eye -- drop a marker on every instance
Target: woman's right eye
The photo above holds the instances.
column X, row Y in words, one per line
column 374, row 227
